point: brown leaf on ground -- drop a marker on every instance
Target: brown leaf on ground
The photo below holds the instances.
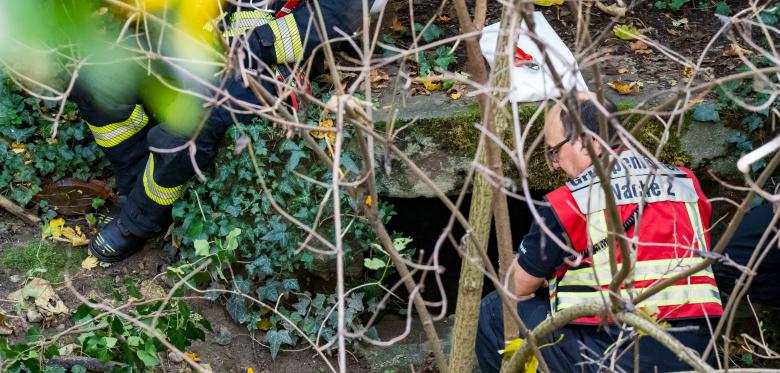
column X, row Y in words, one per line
column 640, row 47
column 378, row 76
column 673, row 32
column 624, row 88
column 5, row 329
column 46, row 301
column 614, row 10
column 735, row 50
column 397, row 26
column 622, row 70
column 75, row 236
column 443, row 18
column 687, row 72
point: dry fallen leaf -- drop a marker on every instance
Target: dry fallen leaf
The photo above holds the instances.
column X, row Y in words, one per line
column 330, row 137
column 735, row 50
column 192, row 356
column 47, row 302
column 696, row 100
column 687, row 72
column 680, row 22
column 624, row 88
column 622, row 70
column 75, row 236
column 614, row 10
column 673, row 32
column 640, row 47
column 397, row 26
column 18, row 148
column 378, row 76
column 431, row 85
column 89, row 262
column 53, row 229
column 444, row 18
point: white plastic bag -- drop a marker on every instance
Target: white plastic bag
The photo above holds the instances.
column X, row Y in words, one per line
column 535, row 85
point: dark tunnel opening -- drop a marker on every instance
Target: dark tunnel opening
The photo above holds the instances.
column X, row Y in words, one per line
column 424, row 219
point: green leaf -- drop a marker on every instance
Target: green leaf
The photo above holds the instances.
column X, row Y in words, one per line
column 373, row 263
column 109, row 342
column 677, row 4
column 148, row 359
column 91, row 220
column 78, row 369
column 722, row 8
column 231, row 242
column 202, row 248
column 624, row 32
column 275, row 338
column 98, row 203
column 706, row 113
column 400, row 243
column 134, row 341
column 432, row 33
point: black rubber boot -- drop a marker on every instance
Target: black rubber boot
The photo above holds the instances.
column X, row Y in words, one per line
column 114, row 243
column 116, row 210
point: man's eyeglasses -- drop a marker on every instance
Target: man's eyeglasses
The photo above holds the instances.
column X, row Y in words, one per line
column 552, row 152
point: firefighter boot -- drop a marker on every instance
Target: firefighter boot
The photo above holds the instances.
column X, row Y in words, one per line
column 115, row 242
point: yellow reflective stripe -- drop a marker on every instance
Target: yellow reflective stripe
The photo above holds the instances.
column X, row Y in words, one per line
column 243, row 21
column 159, row 194
column 597, row 226
column 673, row 295
column 584, row 279
column 113, row 134
column 698, row 228
column 287, row 44
column 640, row 267
column 295, row 36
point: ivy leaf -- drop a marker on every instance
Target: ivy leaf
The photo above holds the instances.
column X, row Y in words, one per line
column 706, row 113
column 148, row 359
column 275, row 338
column 231, row 242
column 677, row 4
column 236, row 307
column 373, row 263
column 78, row 369
column 202, row 247
column 431, row 33
column 753, row 122
column 722, row 8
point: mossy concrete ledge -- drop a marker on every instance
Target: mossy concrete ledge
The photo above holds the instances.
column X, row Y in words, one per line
column 441, row 134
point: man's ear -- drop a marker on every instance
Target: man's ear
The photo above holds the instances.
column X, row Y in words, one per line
column 584, row 147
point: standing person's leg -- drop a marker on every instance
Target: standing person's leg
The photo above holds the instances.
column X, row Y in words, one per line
column 162, row 181
column 119, row 125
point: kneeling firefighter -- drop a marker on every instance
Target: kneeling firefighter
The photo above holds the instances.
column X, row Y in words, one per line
column 148, row 182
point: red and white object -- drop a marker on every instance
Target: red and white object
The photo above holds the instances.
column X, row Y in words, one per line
column 531, row 77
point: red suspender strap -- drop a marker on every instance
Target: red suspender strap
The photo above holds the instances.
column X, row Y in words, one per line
column 287, row 8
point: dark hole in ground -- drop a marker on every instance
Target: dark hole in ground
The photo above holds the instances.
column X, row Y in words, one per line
column 424, row 219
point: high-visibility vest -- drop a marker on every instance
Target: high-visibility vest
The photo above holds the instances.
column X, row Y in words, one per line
column 673, row 229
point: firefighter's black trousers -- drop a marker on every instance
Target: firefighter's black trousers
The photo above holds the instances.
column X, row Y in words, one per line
column 152, row 181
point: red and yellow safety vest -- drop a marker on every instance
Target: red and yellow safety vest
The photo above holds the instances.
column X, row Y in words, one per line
column 673, row 228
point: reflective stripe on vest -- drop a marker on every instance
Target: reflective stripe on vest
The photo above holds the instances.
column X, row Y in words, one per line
column 287, row 40
column 113, row 134
column 672, row 295
column 643, row 271
column 660, row 254
column 159, row 194
column 243, row 21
